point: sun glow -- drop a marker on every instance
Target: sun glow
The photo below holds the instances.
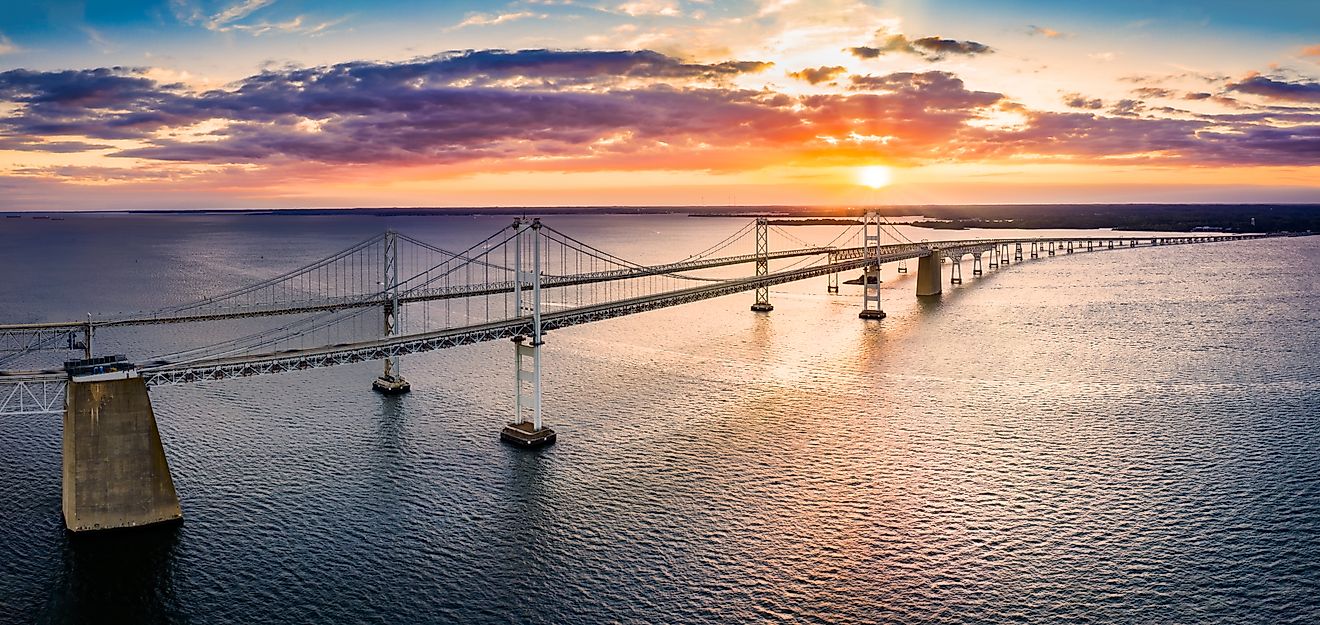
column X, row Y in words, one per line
column 875, row 176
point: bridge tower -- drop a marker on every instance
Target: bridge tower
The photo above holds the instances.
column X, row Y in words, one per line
column 523, row 431
column 391, row 382
column 832, row 279
column 871, row 273
column 762, row 303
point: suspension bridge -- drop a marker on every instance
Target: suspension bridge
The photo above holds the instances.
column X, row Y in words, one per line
column 392, row 295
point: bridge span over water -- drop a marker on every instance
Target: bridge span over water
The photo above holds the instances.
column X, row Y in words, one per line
column 393, row 295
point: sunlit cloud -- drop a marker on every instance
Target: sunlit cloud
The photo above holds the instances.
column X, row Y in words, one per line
column 6, row 45
column 1041, row 31
column 493, row 19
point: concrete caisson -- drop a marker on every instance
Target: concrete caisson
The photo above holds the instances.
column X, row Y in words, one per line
column 115, row 472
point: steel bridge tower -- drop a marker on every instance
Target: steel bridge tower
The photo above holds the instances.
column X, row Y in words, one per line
column 762, row 264
column 871, row 274
column 523, row 431
column 391, row 382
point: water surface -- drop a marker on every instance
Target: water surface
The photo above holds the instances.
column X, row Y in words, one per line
column 1117, row 437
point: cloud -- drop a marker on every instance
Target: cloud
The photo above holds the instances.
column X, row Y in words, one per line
column 1127, row 107
column 816, row 75
column 556, row 110
column 929, row 48
column 235, row 12
column 492, row 19
column 638, row 8
column 297, row 25
column 1079, row 101
column 1200, row 95
column 1103, row 57
column 1312, row 51
column 1041, row 31
column 7, row 46
column 1154, row 92
column 1275, row 88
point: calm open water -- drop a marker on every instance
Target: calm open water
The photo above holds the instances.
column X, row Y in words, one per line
column 1118, row 437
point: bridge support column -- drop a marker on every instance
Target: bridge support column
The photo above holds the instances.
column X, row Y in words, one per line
column 1017, row 252
column 391, row 382
column 976, row 263
column 1070, row 247
column 928, row 274
column 1035, row 249
column 994, row 257
column 955, row 270
column 762, row 303
column 902, row 266
column 524, row 431
column 1051, row 252
column 115, row 472
column 871, row 274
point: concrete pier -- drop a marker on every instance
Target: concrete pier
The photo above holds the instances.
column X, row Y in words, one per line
column 526, row 435
column 928, row 274
column 115, row 472
column 391, row 385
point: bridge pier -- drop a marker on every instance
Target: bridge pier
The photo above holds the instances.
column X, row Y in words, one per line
column 955, row 270
column 1017, row 252
column 994, row 257
column 976, row 263
column 1035, row 249
column 1051, row 252
column 928, row 274
column 902, row 266
column 115, row 472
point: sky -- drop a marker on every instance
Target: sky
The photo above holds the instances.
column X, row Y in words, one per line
column 177, row 104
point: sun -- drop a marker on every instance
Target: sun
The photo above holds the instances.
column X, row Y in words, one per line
column 875, row 176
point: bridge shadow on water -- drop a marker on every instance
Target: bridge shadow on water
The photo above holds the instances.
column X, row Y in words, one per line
column 118, row 577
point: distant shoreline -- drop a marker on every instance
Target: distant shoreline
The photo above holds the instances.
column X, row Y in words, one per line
column 1271, row 217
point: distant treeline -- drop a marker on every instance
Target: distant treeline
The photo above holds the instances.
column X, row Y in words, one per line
column 1158, row 217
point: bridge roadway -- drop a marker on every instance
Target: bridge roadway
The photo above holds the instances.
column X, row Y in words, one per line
column 845, row 259
column 23, row 336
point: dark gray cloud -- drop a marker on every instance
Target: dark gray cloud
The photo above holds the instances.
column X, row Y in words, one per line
column 929, row 48
column 1276, row 88
column 1154, row 92
column 1079, row 101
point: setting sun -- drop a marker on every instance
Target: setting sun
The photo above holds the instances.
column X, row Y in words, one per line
column 874, row 176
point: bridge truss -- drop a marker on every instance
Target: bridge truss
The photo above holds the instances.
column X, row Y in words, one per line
column 392, row 295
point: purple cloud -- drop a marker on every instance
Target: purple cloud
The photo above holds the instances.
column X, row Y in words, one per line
column 1279, row 89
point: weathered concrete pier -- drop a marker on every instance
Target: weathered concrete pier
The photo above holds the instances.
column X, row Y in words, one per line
column 115, row 472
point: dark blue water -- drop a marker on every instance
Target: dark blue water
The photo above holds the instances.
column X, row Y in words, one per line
column 1117, row 437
